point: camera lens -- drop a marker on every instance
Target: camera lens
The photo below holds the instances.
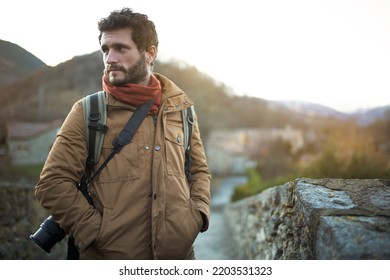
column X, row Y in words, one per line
column 48, row 234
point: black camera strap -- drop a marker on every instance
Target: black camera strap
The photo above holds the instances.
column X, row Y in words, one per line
column 126, row 134
column 125, row 137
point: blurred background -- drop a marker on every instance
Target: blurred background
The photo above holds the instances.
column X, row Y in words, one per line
column 283, row 90
column 270, row 142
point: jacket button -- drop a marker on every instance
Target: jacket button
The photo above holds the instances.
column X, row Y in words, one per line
column 157, row 148
column 146, row 147
column 177, row 106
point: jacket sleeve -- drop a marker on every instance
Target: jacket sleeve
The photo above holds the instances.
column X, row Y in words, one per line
column 56, row 190
column 200, row 190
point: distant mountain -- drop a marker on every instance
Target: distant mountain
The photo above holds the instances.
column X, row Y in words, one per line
column 16, row 62
column 368, row 116
column 311, row 109
column 308, row 109
column 48, row 93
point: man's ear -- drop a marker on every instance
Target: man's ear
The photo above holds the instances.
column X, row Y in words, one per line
column 151, row 54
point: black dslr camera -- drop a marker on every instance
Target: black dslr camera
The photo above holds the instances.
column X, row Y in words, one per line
column 48, row 234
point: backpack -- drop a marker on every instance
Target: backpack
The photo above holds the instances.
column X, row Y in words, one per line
column 95, row 119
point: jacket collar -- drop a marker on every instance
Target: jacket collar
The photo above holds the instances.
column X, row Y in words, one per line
column 174, row 98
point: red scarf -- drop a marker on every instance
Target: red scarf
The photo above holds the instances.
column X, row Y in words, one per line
column 136, row 95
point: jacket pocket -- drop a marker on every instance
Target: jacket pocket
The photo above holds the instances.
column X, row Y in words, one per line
column 101, row 238
column 196, row 216
column 123, row 166
column 174, row 151
column 181, row 229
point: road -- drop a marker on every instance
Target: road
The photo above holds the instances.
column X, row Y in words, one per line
column 216, row 242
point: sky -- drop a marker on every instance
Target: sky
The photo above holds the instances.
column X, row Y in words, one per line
column 330, row 52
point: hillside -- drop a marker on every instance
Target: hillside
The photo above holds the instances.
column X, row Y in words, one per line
column 311, row 109
column 16, row 62
column 48, row 93
column 335, row 144
column 369, row 116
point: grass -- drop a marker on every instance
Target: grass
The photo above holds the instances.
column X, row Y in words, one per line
column 28, row 170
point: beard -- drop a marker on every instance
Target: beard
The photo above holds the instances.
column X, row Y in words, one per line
column 135, row 74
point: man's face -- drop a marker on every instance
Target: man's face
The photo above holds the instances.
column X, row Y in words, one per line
column 122, row 60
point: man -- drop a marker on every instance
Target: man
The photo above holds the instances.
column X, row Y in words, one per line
column 143, row 206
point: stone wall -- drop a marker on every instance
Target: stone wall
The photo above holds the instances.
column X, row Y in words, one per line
column 303, row 219
column 314, row 219
column 20, row 217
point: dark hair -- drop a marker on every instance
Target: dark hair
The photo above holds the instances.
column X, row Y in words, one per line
column 143, row 30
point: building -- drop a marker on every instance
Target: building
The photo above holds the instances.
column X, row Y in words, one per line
column 234, row 151
column 30, row 143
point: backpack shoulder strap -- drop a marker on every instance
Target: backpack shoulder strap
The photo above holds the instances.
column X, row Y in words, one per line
column 95, row 119
column 188, row 124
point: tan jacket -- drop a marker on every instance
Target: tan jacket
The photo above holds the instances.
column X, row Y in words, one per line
column 143, row 205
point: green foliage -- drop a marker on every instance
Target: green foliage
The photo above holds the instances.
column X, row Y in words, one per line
column 247, row 189
column 242, row 191
column 275, row 182
column 352, row 151
column 256, row 185
column 327, row 166
column 342, row 150
column 276, row 160
column 364, row 166
column 360, row 165
column 28, row 170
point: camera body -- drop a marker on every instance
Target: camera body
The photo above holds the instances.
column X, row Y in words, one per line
column 48, row 234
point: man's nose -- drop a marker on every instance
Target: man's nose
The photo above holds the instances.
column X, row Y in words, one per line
column 112, row 57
